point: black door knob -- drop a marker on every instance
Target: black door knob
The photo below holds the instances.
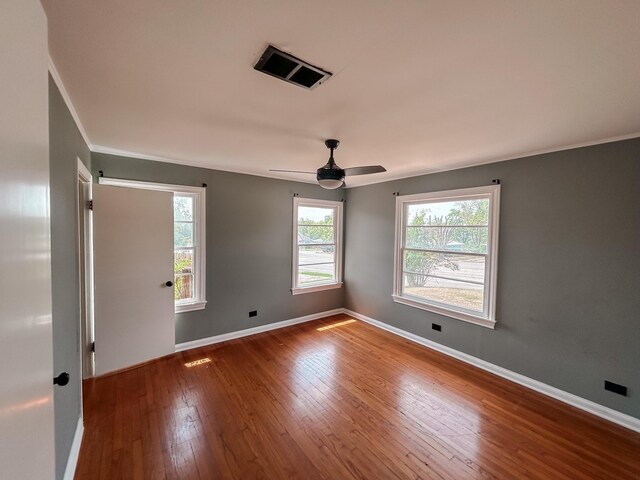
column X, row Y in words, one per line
column 169, row 283
column 61, row 379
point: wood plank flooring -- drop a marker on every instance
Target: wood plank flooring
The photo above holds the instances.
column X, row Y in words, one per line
column 347, row 402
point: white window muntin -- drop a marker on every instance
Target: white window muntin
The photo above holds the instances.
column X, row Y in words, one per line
column 487, row 316
column 199, row 236
column 337, row 231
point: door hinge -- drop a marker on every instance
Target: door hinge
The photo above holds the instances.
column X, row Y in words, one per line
column 92, row 347
column 90, row 204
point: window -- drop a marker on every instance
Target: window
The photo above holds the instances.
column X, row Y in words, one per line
column 188, row 240
column 446, row 252
column 186, row 246
column 317, row 245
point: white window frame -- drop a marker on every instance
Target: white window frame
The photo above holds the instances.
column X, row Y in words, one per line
column 486, row 318
column 199, row 235
column 337, row 224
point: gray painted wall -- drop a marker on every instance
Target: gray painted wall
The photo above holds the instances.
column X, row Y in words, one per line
column 249, row 221
column 568, row 275
column 65, row 146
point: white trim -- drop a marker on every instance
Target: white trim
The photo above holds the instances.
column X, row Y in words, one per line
column 163, row 187
column 192, row 163
column 388, row 178
column 483, row 322
column 83, row 171
column 487, row 317
column 338, row 208
column 190, row 306
column 596, row 409
column 372, row 179
column 316, row 288
column 200, row 226
column 85, row 251
column 67, row 100
column 202, row 342
column 74, row 452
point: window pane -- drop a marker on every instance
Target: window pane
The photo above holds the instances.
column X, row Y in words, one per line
column 319, row 254
column 464, row 212
column 183, row 234
column 451, row 238
column 183, row 261
column 317, row 274
column 315, row 234
column 315, row 216
column 183, row 287
column 459, row 267
column 182, row 208
column 450, row 292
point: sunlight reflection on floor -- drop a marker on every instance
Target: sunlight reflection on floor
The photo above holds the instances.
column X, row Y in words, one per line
column 334, row 325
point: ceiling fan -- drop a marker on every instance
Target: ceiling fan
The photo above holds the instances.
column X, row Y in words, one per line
column 331, row 176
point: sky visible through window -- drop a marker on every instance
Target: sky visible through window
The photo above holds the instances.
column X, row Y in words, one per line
column 314, row 214
column 435, row 209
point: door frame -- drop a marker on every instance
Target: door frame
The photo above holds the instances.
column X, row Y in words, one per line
column 85, row 272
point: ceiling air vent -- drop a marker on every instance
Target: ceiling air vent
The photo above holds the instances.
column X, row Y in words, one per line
column 290, row 69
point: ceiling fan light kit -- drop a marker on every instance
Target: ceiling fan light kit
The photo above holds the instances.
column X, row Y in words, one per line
column 330, row 184
column 331, row 176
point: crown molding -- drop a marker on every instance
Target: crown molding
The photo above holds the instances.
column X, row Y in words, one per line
column 157, row 158
column 470, row 164
column 190, row 163
column 67, row 100
column 387, row 178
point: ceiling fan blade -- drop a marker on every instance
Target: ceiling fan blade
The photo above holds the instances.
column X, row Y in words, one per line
column 291, row 171
column 364, row 170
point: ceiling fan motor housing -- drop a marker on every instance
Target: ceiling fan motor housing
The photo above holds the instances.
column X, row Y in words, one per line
column 331, row 176
column 325, row 173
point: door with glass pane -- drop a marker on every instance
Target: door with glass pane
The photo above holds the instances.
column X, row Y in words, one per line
column 133, row 276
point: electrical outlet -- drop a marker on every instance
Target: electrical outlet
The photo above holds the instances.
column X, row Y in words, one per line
column 436, row 327
column 253, row 313
column 615, row 388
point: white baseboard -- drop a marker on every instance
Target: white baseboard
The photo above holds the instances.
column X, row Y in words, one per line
column 252, row 331
column 601, row 411
column 72, row 461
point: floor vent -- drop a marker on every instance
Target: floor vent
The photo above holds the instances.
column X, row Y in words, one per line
column 286, row 67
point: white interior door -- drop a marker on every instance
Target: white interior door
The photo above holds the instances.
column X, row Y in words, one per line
column 26, row 356
column 133, row 261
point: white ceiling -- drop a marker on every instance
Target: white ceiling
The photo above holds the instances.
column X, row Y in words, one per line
column 418, row 86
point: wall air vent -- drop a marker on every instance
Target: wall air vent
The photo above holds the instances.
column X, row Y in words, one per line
column 290, row 69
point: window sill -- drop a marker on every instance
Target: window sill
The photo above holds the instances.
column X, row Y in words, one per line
column 190, row 307
column 465, row 317
column 318, row 288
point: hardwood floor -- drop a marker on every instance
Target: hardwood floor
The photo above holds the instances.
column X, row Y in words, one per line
column 346, row 402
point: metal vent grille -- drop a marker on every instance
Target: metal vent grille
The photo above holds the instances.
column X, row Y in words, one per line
column 286, row 67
